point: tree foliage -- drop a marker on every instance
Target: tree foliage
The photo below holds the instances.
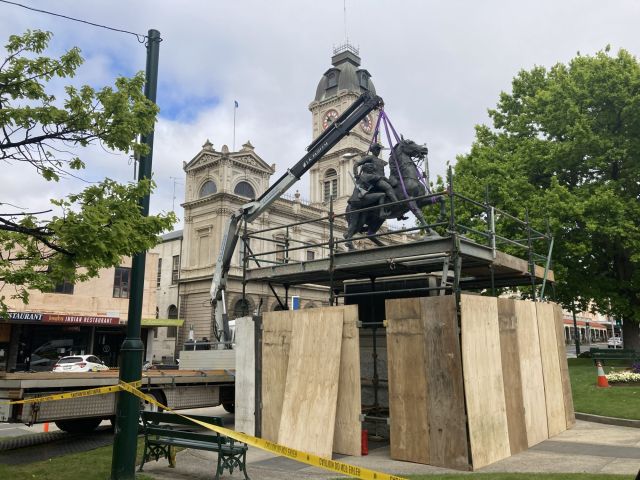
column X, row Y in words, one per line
column 565, row 144
column 89, row 230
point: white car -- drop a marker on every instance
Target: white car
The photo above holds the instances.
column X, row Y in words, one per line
column 614, row 342
column 80, row 363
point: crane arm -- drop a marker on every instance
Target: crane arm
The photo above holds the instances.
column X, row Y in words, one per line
column 250, row 211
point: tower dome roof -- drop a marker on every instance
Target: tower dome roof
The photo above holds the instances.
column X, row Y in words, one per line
column 345, row 74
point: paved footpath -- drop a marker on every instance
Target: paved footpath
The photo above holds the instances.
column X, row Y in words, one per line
column 586, row 448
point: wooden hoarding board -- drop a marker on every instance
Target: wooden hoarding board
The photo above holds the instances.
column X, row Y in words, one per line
column 569, row 412
column 311, row 390
column 533, row 396
column 347, row 439
column 448, row 446
column 511, row 375
column 484, row 388
column 426, row 393
column 556, row 420
column 408, row 401
column 276, row 342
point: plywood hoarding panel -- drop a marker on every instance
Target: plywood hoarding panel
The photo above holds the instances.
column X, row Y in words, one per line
column 401, row 308
column 276, row 340
column 448, row 446
column 533, row 396
column 556, row 420
column 569, row 412
column 484, row 389
column 347, row 439
column 311, row 390
column 511, row 374
column 406, row 363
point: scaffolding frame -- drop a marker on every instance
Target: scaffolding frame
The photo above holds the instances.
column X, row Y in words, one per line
column 472, row 243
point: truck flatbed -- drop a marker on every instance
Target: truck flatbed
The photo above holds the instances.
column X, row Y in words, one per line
column 80, row 380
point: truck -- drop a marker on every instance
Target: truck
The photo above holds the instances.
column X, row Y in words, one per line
column 194, row 386
column 177, row 389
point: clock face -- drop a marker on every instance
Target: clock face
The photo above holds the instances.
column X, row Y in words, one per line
column 366, row 124
column 329, row 117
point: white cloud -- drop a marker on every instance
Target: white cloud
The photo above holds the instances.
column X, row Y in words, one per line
column 438, row 65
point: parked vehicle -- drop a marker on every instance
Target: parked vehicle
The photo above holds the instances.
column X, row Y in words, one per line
column 80, row 363
column 614, row 342
column 178, row 389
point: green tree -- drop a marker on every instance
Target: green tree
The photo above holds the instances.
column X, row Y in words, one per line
column 74, row 237
column 565, row 144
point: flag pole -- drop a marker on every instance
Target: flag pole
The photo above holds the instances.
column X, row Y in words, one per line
column 235, row 107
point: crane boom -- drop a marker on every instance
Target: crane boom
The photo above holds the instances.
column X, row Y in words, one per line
column 250, row 211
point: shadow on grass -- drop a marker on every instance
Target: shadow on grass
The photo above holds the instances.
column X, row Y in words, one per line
column 89, row 465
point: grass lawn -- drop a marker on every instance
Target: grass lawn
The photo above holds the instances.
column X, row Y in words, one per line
column 617, row 401
column 522, row 476
column 90, row 465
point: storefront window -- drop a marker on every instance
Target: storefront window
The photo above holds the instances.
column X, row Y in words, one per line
column 40, row 346
column 5, row 338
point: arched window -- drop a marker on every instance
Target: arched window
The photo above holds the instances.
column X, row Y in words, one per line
column 330, row 184
column 310, row 305
column 244, row 189
column 242, row 308
column 208, row 188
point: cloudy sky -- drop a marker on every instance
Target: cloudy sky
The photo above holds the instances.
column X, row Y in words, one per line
column 438, row 65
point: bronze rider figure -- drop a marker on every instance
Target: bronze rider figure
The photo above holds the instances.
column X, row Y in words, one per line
column 372, row 176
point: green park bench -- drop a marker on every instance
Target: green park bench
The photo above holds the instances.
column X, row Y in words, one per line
column 603, row 354
column 163, row 430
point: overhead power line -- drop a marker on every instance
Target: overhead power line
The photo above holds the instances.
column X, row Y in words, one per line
column 140, row 37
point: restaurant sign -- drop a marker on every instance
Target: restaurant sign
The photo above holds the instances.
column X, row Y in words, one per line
column 33, row 317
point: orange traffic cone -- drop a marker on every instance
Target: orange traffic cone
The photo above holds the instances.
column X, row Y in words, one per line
column 602, row 378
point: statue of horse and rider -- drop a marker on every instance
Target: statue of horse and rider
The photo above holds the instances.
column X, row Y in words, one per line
column 373, row 188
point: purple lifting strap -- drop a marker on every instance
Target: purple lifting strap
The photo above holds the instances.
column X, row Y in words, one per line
column 412, row 204
column 395, row 134
column 376, row 130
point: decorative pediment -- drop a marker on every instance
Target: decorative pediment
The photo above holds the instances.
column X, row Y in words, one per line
column 245, row 158
column 203, row 159
column 248, row 158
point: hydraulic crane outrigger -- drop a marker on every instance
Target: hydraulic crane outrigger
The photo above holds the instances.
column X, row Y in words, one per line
column 250, row 211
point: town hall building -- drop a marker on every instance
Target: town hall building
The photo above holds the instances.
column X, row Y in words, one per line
column 219, row 181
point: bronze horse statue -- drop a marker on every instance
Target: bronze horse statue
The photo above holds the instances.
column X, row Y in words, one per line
column 407, row 184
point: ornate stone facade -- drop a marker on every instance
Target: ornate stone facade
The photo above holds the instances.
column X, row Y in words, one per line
column 219, row 182
column 206, row 210
column 338, row 88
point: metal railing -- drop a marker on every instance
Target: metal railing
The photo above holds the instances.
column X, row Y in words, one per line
column 458, row 216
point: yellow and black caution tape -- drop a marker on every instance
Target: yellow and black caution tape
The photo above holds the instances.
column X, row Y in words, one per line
column 304, row 457
column 281, row 450
column 77, row 394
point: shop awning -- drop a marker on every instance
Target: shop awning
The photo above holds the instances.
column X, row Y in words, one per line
column 162, row 322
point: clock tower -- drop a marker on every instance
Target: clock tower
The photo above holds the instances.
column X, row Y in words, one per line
column 338, row 88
